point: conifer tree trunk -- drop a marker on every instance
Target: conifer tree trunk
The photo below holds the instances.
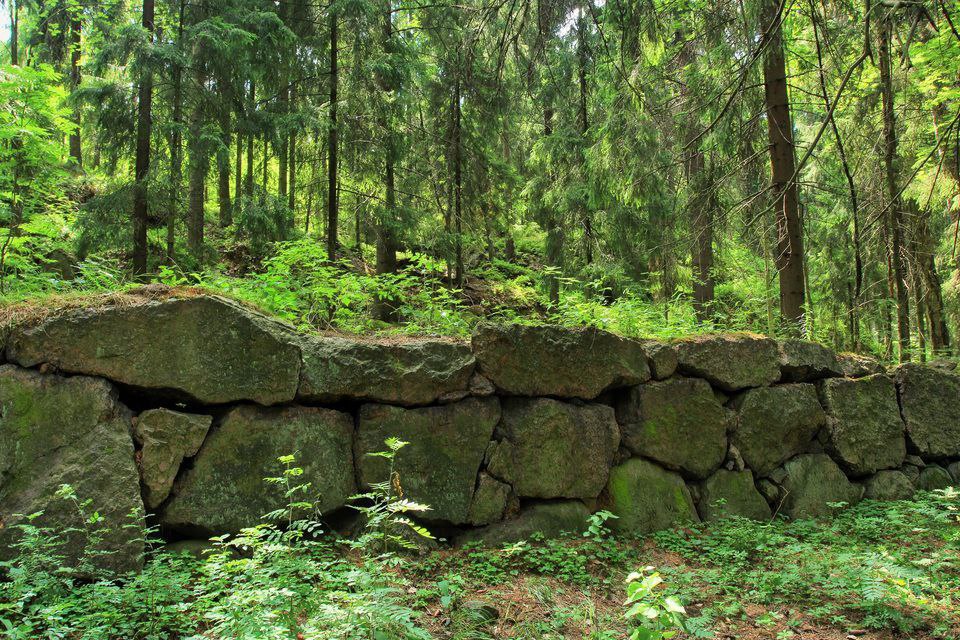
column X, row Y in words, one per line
column 76, row 25
column 292, row 162
column 894, row 207
column 223, row 171
column 386, row 241
column 176, row 145
column 199, row 167
column 789, row 258
column 458, row 184
column 333, row 205
column 250, row 141
column 142, row 158
column 584, row 128
column 14, row 33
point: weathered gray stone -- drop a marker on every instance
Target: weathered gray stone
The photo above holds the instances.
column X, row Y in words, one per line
column 811, row 483
column 165, row 438
column 549, row 519
column 888, row 485
column 55, row 431
column 911, row 472
column 769, row 490
column 934, row 477
column 225, row 489
column 439, row 467
column 553, row 449
column 678, row 422
column 730, row 361
column 406, row 372
column 558, row 361
column 207, row 348
column 732, row 493
column 774, row 424
column 864, row 431
column 663, row 359
column 930, row 401
column 854, row 365
column 489, row 500
column 647, row 498
column 954, row 470
column 805, row 361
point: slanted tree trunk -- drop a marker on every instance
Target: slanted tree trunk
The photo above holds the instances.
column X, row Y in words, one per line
column 789, row 258
column 142, row 159
column 333, row 205
column 894, row 209
column 76, row 25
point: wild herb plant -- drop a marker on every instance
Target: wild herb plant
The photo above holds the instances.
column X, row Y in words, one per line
column 384, row 508
column 651, row 613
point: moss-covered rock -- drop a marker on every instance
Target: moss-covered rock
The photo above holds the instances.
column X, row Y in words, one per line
column 663, row 359
column 553, row 449
column 406, row 372
column 888, row 485
column 805, row 361
column 864, row 430
column 930, row 400
column 954, row 470
column 558, row 361
column 647, row 498
column 165, row 438
column 855, row 365
column 679, row 422
column 811, row 483
column 934, row 477
column 225, row 489
column 549, row 519
column 732, row 493
column 55, row 431
column 205, row 348
column 439, row 467
column 489, row 500
column 730, row 362
column 774, row 424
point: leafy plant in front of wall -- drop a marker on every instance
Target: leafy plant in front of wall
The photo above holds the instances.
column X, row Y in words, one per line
column 652, row 614
column 385, row 508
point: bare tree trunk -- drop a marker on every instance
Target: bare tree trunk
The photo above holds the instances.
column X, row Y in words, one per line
column 76, row 25
column 895, row 205
column 250, row 141
column 199, row 166
column 142, row 159
column 386, row 240
column 238, row 168
column 333, row 205
column 292, row 162
column 14, row 33
column 584, row 128
column 176, row 145
column 458, row 184
column 223, row 172
column 789, row 258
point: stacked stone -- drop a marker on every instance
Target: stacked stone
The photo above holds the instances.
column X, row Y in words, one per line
column 179, row 408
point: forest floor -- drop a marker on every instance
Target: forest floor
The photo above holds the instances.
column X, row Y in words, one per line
column 875, row 571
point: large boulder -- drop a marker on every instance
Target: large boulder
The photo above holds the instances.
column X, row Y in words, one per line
column 663, row 359
column 204, row 348
column 553, row 449
column 888, row 485
column 930, row 401
column 225, row 491
column 776, row 423
column 405, row 372
column 813, row 482
column 934, row 477
column 864, row 431
column 446, row 446
column 732, row 493
column 558, row 361
column 73, row 431
column 730, row 362
column 548, row 519
column 165, row 438
column 647, row 498
column 678, row 422
column 954, row 470
column 805, row 361
column 855, row 365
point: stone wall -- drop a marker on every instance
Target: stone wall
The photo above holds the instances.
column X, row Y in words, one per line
column 173, row 410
